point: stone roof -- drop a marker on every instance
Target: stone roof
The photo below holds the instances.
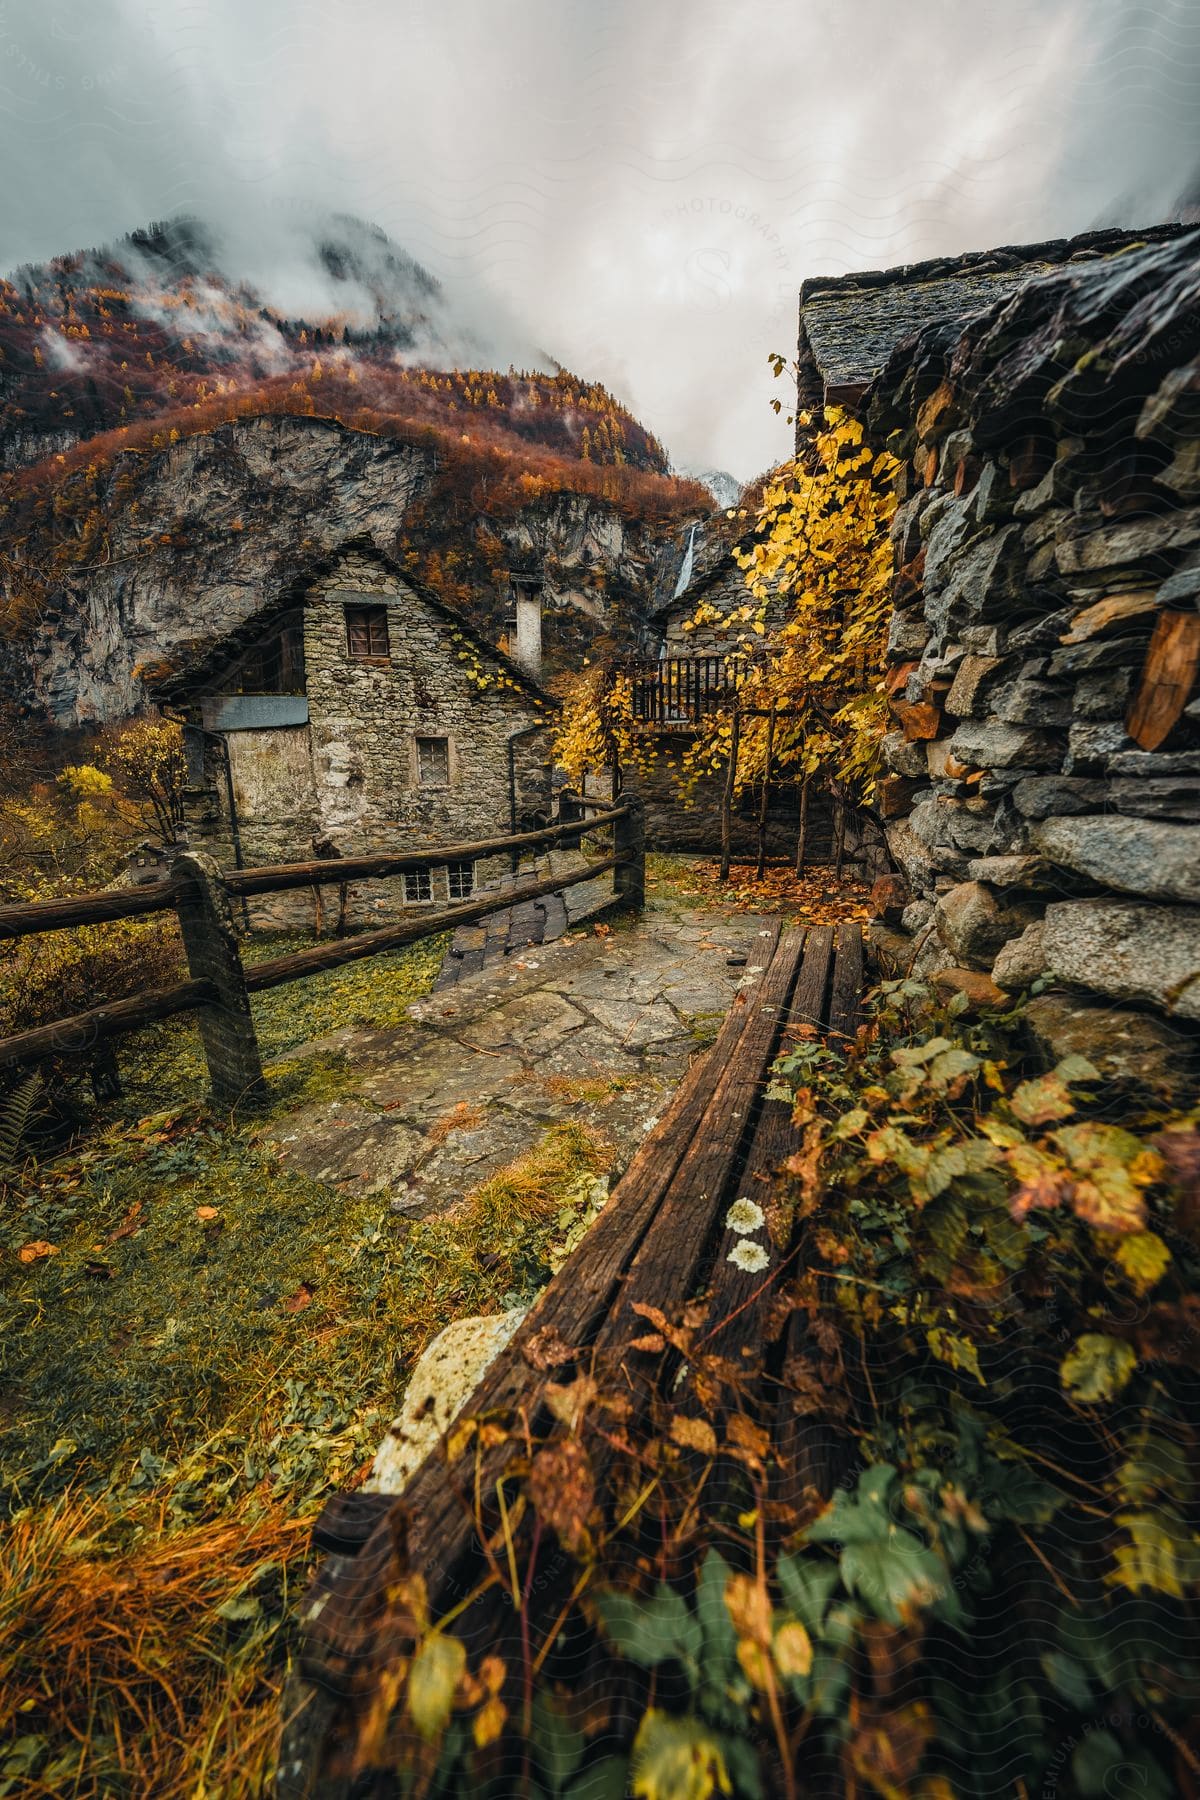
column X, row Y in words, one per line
column 854, row 322
column 206, row 658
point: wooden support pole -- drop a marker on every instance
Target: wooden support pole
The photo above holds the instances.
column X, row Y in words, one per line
column 766, row 791
column 839, row 838
column 735, row 732
column 629, row 843
column 802, row 836
column 226, row 1024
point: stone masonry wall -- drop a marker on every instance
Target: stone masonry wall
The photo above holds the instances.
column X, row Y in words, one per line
column 1044, row 797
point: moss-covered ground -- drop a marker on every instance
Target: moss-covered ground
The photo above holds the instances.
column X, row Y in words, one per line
column 198, row 1344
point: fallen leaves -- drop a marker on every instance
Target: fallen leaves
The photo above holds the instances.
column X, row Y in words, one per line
column 34, row 1252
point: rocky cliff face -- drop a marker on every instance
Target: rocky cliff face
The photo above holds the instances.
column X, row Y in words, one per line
column 176, row 549
column 1045, row 790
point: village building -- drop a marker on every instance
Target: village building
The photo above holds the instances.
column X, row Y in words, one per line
column 356, row 712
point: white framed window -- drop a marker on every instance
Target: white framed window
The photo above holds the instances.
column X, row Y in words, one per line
column 433, row 761
column 460, row 878
column 417, row 887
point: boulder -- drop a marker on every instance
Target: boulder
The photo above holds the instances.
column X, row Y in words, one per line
column 980, row 990
column 991, row 744
column 910, row 853
column 1138, row 543
column 1183, row 586
column 1037, row 796
column 1031, row 701
column 1154, row 762
column 969, row 677
column 1127, row 951
column 889, row 897
column 908, row 635
column 1028, row 872
column 1123, row 1044
column 1090, row 746
column 903, row 757
column 1098, row 653
column 982, row 579
column 916, row 916
column 1171, row 798
column 1104, row 694
column 891, row 949
column 446, row 1375
column 975, row 925
column 1022, row 960
column 1136, row 856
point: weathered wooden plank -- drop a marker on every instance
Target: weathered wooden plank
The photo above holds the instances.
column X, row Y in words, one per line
column 738, row 1304
column 845, row 1000
column 277, row 878
column 809, row 1445
column 87, row 909
column 343, row 1604
column 393, row 937
column 1168, row 677
column 808, row 1001
column 663, row 1273
column 69, row 1037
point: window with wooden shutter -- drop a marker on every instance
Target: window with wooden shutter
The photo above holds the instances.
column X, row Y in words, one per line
column 367, row 633
column 433, row 761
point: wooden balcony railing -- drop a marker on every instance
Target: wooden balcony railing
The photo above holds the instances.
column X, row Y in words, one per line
column 684, row 690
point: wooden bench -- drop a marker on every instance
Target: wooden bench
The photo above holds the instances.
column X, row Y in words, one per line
column 659, row 1241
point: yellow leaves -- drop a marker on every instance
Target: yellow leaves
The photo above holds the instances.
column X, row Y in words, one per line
column 436, row 1670
column 1144, row 1258
column 1097, row 1367
column 674, row 1758
column 693, row 1434
column 792, row 1650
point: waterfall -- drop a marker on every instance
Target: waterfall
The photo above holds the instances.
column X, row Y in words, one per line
column 685, row 567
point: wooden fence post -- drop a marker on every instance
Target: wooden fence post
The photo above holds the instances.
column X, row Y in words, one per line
column 629, row 839
column 735, row 733
column 227, row 1025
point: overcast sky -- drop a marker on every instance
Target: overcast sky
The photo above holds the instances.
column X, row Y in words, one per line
column 639, row 186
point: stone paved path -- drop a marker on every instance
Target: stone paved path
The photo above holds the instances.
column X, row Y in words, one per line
column 598, row 1027
column 511, row 929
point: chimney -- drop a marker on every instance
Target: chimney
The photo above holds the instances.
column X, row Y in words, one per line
column 527, row 650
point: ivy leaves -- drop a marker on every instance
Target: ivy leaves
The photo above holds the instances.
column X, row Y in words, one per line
column 882, row 1563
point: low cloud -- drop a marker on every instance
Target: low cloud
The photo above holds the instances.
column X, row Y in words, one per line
column 637, row 190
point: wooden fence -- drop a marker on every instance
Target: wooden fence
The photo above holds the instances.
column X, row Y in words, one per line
column 683, row 690
column 219, row 986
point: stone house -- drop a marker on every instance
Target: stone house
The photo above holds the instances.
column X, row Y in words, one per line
column 356, row 712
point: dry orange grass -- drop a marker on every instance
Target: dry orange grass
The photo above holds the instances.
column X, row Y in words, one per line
column 463, row 1117
column 140, row 1657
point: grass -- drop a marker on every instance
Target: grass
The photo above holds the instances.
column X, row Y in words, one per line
column 207, row 1343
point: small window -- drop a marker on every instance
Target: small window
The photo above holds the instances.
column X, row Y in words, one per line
column 417, row 887
column 367, row 633
column 433, row 761
column 461, row 879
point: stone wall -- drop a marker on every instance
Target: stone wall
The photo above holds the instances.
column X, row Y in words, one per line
column 1044, row 797
column 351, row 773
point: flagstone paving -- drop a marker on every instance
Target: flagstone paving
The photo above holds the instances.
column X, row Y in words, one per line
column 598, row 1027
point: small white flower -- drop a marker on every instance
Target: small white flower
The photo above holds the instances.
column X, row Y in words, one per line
column 749, row 1257
column 744, row 1216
